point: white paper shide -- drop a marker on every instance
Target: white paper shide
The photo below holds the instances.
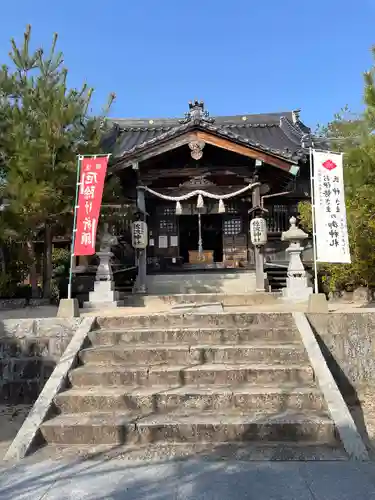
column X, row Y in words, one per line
column 332, row 242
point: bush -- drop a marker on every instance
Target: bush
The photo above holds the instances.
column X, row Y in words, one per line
column 7, row 286
column 361, row 231
column 60, row 261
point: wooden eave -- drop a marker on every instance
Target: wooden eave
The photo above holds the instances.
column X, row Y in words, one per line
column 155, row 149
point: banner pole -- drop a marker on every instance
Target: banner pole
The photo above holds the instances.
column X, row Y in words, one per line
column 79, row 158
column 316, row 287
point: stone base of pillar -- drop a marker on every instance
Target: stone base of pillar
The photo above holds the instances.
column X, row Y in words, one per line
column 265, row 284
column 297, row 289
column 103, row 305
column 68, row 308
column 140, row 289
column 318, row 303
column 104, row 295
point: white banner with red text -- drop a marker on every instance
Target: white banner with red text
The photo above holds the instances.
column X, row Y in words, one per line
column 331, row 230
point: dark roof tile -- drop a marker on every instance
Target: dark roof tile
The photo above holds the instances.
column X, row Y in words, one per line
column 275, row 133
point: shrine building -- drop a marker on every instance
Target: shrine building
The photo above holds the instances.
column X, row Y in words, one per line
column 197, row 181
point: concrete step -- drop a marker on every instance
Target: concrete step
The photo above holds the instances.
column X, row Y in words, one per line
column 215, row 320
column 94, row 375
column 197, row 335
column 160, row 451
column 162, row 399
column 186, row 354
column 194, row 426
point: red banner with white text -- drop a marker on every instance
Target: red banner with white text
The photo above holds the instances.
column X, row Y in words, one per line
column 91, row 185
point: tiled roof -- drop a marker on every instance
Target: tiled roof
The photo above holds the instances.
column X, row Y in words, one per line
column 278, row 134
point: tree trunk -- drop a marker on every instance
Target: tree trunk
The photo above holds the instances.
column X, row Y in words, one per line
column 33, row 277
column 47, row 262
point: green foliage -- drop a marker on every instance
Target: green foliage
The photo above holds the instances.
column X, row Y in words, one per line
column 7, row 286
column 356, row 139
column 60, row 261
column 46, row 126
column 305, row 215
column 43, row 126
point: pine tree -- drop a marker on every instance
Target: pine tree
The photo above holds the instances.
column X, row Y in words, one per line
column 45, row 125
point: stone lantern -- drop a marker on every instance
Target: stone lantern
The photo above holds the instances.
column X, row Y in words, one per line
column 297, row 283
column 104, row 294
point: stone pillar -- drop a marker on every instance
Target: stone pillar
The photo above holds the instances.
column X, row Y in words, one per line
column 104, row 294
column 297, row 283
column 258, row 250
column 141, row 258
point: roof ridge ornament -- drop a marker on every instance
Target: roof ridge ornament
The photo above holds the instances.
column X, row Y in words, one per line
column 295, row 115
column 197, row 113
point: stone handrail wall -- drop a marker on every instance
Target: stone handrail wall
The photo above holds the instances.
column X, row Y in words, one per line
column 29, row 351
column 348, row 340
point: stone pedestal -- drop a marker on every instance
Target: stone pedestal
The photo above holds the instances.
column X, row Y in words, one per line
column 104, row 294
column 68, row 308
column 318, row 303
column 297, row 283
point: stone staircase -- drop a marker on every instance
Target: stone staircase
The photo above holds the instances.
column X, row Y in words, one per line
column 186, row 379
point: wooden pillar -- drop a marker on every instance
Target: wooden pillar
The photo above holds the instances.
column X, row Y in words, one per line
column 141, row 281
column 258, row 251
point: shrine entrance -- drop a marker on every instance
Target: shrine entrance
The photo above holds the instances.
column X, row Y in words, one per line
column 212, row 235
column 189, row 236
column 212, row 238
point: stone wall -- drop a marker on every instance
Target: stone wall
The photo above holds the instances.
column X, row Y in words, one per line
column 9, row 304
column 29, row 351
column 348, row 342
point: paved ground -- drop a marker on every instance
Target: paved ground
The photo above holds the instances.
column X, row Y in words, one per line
column 11, row 419
column 118, row 479
column 51, row 311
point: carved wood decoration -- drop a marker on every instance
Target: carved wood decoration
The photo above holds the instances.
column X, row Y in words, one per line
column 196, row 149
column 197, row 182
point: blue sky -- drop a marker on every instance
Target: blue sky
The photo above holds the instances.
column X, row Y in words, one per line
column 239, row 56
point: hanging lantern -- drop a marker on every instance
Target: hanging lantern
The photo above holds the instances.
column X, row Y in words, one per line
column 258, row 231
column 221, row 209
column 200, row 201
column 178, row 208
column 139, row 234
